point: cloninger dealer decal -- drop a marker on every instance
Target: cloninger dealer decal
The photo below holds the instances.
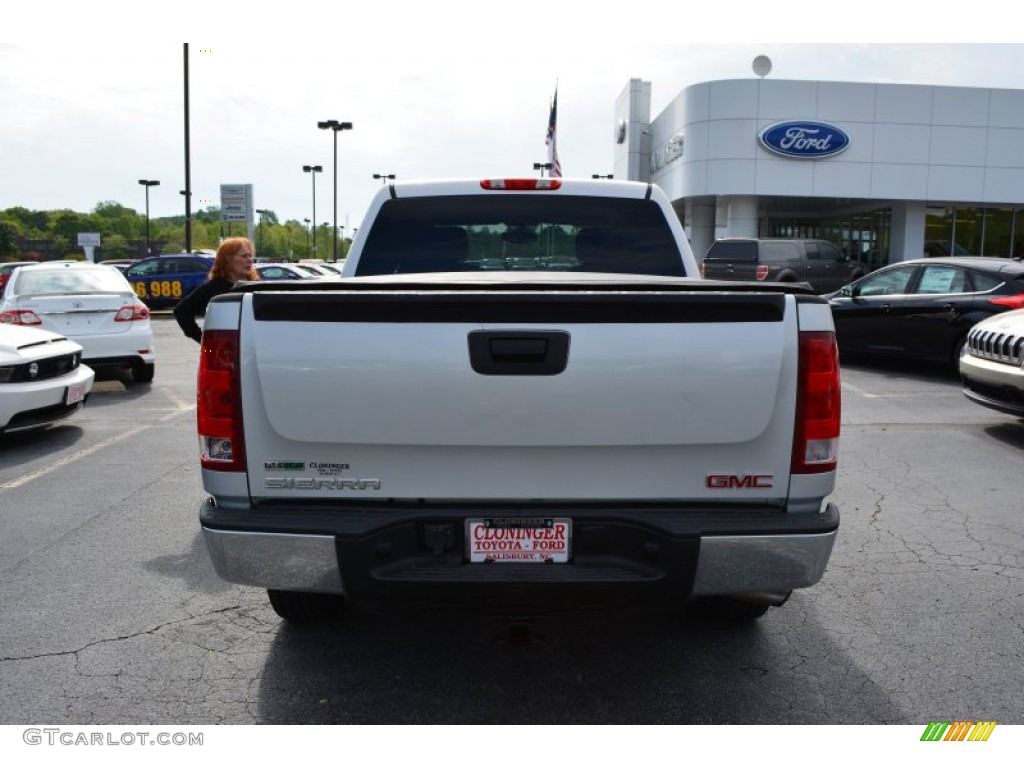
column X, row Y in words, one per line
column 327, row 476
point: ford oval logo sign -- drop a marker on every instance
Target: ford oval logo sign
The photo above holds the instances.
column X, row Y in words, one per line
column 804, row 139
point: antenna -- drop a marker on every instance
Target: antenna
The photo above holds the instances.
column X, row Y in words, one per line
column 762, row 65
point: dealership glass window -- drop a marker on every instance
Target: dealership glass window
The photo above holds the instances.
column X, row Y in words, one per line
column 949, row 231
column 1017, row 233
column 999, row 233
column 938, row 231
column 862, row 236
column 974, row 231
column 791, row 228
column 969, row 229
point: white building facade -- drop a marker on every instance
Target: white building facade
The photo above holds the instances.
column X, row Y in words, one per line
column 887, row 172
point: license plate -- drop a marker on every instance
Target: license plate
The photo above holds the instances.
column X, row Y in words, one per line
column 75, row 393
column 519, row 540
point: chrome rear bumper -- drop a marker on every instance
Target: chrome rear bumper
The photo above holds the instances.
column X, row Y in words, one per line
column 725, row 564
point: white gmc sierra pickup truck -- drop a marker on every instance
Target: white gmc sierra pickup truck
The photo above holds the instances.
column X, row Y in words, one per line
column 519, row 390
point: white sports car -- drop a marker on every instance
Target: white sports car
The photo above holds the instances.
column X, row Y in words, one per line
column 42, row 378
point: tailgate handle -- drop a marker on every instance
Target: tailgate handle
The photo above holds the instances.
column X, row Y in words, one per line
column 513, row 349
column 519, row 353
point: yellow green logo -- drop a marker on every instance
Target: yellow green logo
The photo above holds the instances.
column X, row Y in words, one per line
column 958, row 730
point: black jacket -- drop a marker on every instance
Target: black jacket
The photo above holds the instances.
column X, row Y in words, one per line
column 185, row 311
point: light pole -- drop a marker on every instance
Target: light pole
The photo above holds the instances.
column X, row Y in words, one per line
column 334, row 126
column 313, row 170
column 147, row 183
column 384, row 177
column 187, row 192
column 342, row 228
column 307, row 236
column 188, row 219
column 259, row 229
column 542, row 167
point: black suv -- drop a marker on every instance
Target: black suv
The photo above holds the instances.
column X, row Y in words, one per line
column 818, row 263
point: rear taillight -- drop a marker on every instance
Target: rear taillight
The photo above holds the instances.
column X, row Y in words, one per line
column 1012, row 302
column 135, row 312
column 219, row 415
column 818, row 412
column 521, row 184
column 20, row 317
column 762, row 271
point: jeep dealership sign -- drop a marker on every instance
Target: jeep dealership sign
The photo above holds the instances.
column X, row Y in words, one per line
column 803, row 139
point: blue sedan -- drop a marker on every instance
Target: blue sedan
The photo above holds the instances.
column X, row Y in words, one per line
column 161, row 281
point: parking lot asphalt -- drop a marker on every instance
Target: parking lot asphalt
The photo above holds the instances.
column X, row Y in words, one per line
column 112, row 613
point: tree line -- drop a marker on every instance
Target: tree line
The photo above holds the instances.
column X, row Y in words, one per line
column 27, row 235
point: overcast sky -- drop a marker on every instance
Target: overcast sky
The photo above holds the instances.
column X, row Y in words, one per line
column 90, row 105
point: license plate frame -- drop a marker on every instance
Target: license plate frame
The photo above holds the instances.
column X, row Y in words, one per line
column 519, row 540
column 75, row 393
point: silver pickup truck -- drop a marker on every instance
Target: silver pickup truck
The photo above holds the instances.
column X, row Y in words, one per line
column 520, row 391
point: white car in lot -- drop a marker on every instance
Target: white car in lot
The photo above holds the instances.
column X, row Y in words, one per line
column 992, row 365
column 92, row 304
column 288, row 272
column 42, row 378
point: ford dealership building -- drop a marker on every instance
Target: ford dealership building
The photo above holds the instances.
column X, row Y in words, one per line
column 887, row 172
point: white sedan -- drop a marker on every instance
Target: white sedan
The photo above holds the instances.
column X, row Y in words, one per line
column 91, row 304
column 287, row 272
column 42, row 378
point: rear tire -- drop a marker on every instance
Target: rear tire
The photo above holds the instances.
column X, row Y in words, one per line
column 305, row 607
column 142, row 373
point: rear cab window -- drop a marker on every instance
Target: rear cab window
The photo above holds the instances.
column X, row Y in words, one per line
column 723, row 250
column 459, row 233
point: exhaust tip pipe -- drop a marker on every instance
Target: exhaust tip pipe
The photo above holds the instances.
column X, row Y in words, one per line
column 763, row 598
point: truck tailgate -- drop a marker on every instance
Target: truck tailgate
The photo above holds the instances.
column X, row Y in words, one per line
column 554, row 396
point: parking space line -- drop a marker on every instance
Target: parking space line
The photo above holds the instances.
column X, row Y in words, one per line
column 70, row 459
column 859, row 391
column 173, row 397
column 892, row 395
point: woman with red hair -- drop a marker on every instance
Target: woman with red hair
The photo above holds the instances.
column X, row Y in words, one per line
column 232, row 263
